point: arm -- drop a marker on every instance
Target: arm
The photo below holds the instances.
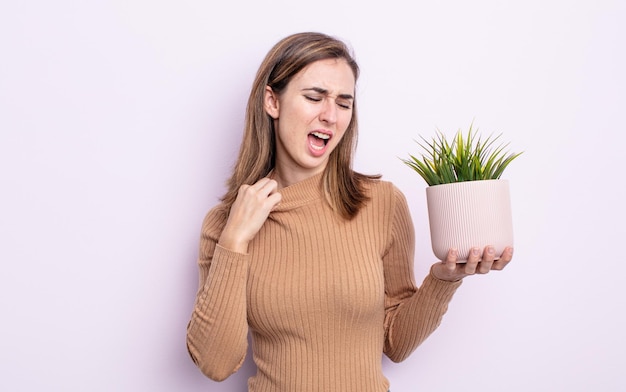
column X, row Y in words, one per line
column 217, row 332
column 411, row 313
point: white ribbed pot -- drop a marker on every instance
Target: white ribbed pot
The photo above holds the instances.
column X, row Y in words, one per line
column 467, row 214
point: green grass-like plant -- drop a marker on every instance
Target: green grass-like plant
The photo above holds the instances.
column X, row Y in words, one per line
column 463, row 158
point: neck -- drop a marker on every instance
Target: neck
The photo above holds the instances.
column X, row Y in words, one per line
column 285, row 178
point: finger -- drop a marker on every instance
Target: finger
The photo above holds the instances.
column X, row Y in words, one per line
column 258, row 191
column 472, row 261
column 265, row 185
column 270, row 187
column 504, row 260
column 486, row 263
column 449, row 263
column 274, row 199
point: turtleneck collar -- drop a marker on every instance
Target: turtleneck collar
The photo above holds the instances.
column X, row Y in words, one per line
column 300, row 193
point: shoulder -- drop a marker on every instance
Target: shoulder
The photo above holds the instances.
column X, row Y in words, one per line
column 389, row 204
column 386, row 200
column 214, row 222
column 385, row 190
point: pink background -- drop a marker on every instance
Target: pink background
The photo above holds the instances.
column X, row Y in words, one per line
column 119, row 121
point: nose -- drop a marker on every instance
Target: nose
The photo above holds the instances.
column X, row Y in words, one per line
column 328, row 112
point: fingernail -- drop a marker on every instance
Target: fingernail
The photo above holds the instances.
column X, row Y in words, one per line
column 453, row 252
column 475, row 251
column 490, row 250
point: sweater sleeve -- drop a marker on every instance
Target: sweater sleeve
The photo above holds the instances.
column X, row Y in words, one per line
column 218, row 330
column 411, row 313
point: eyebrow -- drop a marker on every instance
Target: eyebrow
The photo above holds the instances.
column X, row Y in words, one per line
column 325, row 92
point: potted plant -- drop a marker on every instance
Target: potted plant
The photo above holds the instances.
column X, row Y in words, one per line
column 468, row 204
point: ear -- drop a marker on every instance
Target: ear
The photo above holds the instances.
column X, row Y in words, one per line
column 270, row 102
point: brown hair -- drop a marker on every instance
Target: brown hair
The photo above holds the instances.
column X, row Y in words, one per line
column 344, row 188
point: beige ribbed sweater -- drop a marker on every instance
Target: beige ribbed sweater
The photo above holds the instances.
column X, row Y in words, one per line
column 322, row 297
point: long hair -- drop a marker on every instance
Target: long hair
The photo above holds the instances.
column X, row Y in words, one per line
column 344, row 188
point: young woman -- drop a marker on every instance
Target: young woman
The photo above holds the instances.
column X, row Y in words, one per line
column 311, row 257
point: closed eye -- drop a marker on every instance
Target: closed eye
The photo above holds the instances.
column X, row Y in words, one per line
column 313, row 99
column 344, row 105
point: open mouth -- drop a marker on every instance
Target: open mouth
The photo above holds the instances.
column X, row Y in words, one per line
column 318, row 140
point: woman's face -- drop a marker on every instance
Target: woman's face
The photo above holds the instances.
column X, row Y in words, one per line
column 311, row 116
